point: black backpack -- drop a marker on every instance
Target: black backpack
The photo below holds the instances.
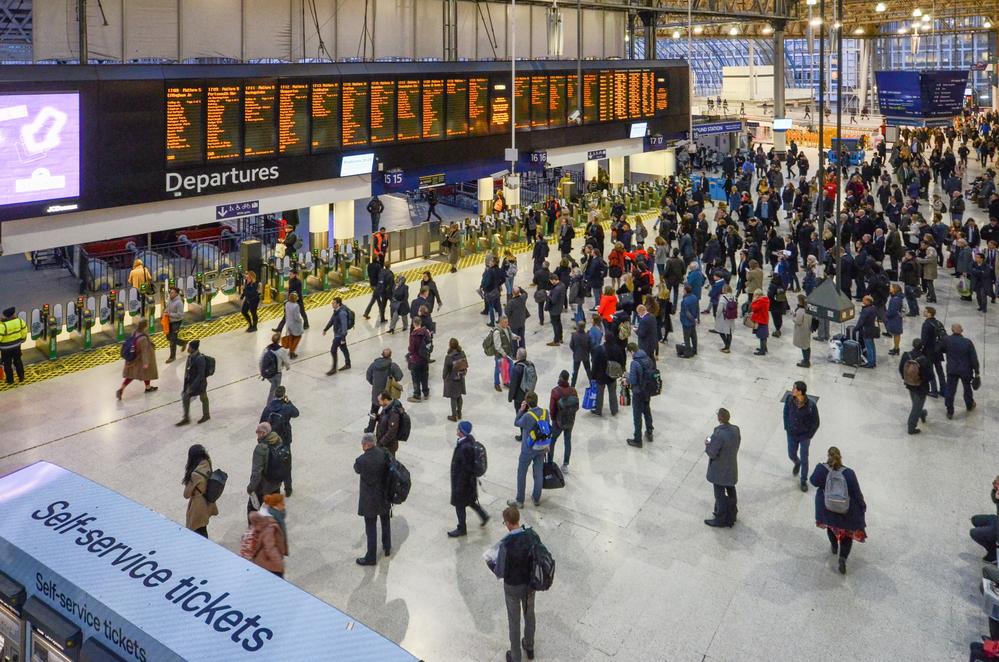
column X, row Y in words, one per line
column 278, row 463
column 405, row 425
column 542, row 566
column 568, row 405
column 939, row 335
column 215, row 485
column 397, row 481
column 278, row 425
column 481, row 459
column 268, row 364
column 426, row 347
column 350, row 317
column 209, row 365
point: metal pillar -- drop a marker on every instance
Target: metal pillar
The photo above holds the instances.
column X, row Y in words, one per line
column 780, row 137
column 81, row 15
column 450, row 11
column 649, row 28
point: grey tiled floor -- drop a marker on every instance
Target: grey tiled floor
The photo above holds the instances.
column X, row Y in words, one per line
column 639, row 576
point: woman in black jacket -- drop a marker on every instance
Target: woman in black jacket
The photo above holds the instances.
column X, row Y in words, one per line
column 399, row 304
column 464, row 483
column 251, row 301
column 867, row 327
column 455, row 369
column 841, row 528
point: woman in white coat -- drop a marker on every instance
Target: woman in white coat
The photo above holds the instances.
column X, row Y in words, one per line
column 728, row 312
column 295, row 324
column 803, row 332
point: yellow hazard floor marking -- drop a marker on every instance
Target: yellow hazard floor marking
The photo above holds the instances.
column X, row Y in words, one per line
column 83, row 360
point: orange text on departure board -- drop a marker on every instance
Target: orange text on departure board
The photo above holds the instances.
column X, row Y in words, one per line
column 183, row 124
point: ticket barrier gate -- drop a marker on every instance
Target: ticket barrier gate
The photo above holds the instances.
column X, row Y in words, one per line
column 94, row 651
column 45, row 327
column 12, row 626
column 50, row 637
column 306, row 266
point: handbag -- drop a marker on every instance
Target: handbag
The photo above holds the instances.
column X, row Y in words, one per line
column 626, row 299
column 552, row 476
column 505, row 371
column 286, row 342
column 590, row 397
column 165, row 323
column 976, row 382
column 748, row 322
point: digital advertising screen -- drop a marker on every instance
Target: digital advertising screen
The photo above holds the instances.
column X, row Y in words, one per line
column 325, row 116
column 40, row 147
column 223, row 123
column 185, row 141
column 293, row 119
column 355, row 113
column 382, row 111
column 433, row 109
column 408, row 110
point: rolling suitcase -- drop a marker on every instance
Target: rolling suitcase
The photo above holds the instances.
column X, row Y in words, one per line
column 851, row 353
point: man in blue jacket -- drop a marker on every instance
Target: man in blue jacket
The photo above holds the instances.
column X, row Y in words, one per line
column 641, row 379
column 536, row 440
column 690, row 317
column 801, row 422
column 962, row 366
column 340, row 321
column 279, row 413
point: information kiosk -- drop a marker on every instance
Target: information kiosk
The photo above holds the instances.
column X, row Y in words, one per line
column 99, row 567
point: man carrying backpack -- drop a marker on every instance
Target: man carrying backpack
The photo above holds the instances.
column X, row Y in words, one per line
column 642, row 379
column 278, row 413
column 341, row 320
column 418, row 358
column 535, row 424
column 195, row 382
column 523, row 379
column 514, row 564
column 563, row 405
column 388, row 422
column 266, row 472
column 468, row 464
column 273, row 360
column 916, row 370
column 372, row 500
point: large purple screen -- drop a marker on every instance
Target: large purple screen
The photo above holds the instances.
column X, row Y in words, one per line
column 39, row 147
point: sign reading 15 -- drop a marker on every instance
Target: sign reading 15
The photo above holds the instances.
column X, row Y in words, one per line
column 392, row 178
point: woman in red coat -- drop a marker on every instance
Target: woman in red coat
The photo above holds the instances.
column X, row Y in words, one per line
column 760, row 315
column 608, row 304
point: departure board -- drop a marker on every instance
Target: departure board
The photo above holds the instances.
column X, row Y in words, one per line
column 605, row 96
column 478, row 106
column 539, row 102
column 499, row 107
column 620, row 95
column 408, row 110
column 591, row 93
column 325, row 116
column 259, row 135
column 556, row 101
column 223, row 123
column 433, row 109
column 355, row 113
column 648, row 94
column 293, row 119
column 571, row 103
column 662, row 95
column 634, row 95
column 382, row 111
column 457, row 107
column 185, row 142
column 522, row 102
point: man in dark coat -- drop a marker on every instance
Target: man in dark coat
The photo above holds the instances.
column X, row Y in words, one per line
column 387, row 422
column 516, row 314
column 801, row 422
column 372, row 501
column 377, row 375
column 374, row 270
column 917, row 385
column 464, row 482
column 556, row 306
column 279, row 413
column 962, row 365
column 195, row 383
column 647, row 332
column 722, row 449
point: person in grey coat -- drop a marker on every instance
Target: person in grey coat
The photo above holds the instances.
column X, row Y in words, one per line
column 516, row 313
column 378, row 375
column 455, row 369
column 372, row 502
column 555, row 308
column 722, row 449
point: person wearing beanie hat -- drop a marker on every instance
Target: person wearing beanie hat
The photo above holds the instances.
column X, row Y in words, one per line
column 279, row 412
column 13, row 332
column 464, row 479
column 195, row 383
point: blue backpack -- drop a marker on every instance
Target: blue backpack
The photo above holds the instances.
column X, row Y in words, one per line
column 541, row 435
column 129, row 348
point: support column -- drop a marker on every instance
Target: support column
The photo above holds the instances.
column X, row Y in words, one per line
column 343, row 219
column 319, row 226
column 590, row 170
column 616, row 170
column 511, row 194
column 649, row 30
column 670, row 165
column 486, row 196
column 780, row 137
column 994, row 54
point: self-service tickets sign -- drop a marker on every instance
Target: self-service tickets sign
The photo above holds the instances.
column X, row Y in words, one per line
column 149, row 589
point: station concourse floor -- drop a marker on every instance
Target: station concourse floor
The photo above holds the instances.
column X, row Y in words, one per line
column 639, row 576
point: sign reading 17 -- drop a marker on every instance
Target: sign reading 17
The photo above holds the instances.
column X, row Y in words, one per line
column 656, row 141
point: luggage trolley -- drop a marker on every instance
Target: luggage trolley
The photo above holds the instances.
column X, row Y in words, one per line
column 12, row 596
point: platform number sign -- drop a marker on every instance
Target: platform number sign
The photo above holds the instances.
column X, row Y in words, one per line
column 392, row 178
column 539, row 157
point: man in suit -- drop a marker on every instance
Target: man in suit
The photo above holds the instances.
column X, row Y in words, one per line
column 372, row 504
column 962, row 365
column 722, row 449
column 647, row 332
column 556, row 306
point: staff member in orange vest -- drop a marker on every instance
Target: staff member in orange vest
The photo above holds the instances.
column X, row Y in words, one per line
column 379, row 245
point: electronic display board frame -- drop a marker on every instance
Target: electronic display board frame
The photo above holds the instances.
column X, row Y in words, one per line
column 121, row 107
column 335, row 129
column 239, row 120
column 304, row 140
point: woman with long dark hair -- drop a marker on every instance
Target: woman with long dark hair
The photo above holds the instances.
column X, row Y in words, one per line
column 196, row 473
column 843, row 514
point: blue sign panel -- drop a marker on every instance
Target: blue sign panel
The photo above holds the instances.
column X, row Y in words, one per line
column 150, row 590
column 654, row 143
column 237, row 209
column 921, row 94
column 716, row 127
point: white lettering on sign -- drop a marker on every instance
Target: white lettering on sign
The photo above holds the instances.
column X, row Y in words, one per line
column 179, row 184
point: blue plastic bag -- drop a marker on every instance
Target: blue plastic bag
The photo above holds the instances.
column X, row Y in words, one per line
column 590, row 397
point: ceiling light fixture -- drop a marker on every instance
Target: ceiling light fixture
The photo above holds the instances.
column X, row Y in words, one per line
column 767, row 29
column 987, row 24
column 858, row 30
column 917, row 12
column 815, row 22
column 676, row 34
column 902, row 30
column 880, row 7
column 733, row 31
column 698, row 29
column 837, row 25
column 926, row 18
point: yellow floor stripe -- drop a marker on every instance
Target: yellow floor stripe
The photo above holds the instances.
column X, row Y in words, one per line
column 82, row 360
